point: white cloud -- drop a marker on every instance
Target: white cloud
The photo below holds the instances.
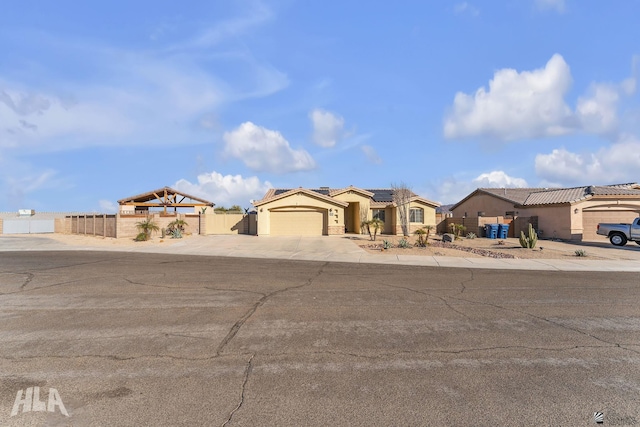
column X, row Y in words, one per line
column 498, row 179
column 143, row 97
column 107, row 206
column 327, row 127
column 530, row 104
column 617, row 163
column 557, row 5
column 39, row 119
column 225, row 190
column 465, row 7
column 266, row 150
column 256, row 14
column 454, row 189
column 597, row 111
column 517, row 105
column 21, row 181
column 371, row 154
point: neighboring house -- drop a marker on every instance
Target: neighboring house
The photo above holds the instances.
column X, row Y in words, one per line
column 564, row 213
column 326, row 211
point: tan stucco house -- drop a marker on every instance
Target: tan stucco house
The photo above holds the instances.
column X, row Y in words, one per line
column 326, row 211
column 564, row 213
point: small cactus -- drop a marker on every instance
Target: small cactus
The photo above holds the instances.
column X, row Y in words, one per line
column 530, row 240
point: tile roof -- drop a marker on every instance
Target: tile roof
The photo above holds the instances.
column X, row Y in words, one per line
column 275, row 194
column 549, row 196
column 515, row 195
column 381, row 196
column 572, row 195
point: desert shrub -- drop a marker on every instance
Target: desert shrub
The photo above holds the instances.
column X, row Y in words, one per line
column 579, row 252
column 422, row 236
column 386, row 244
column 141, row 237
column 403, row 243
column 471, row 235
column 147, row 227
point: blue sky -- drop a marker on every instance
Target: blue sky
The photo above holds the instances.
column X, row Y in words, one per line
column 225, row 99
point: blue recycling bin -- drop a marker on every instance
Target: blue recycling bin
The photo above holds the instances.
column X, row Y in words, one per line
column 503, row 230
column 491, row 231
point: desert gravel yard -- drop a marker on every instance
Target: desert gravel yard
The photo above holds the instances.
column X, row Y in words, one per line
column 464, row 248
column 503, row 248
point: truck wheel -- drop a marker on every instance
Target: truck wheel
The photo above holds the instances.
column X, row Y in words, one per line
column 618, row 239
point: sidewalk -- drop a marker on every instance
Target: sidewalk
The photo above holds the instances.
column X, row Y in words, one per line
column 327, row 248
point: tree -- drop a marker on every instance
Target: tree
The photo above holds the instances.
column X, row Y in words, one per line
column 363, row 219
column 377, row 225
column 423, row 235
column 402, row 197
column 232, row 209
column 146, row 227
column 457, row 229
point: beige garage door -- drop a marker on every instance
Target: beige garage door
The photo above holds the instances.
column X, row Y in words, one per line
column 590, row 220
column 298, row 223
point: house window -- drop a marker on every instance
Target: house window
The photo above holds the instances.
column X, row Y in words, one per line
column 378, row 214
column 416, row 215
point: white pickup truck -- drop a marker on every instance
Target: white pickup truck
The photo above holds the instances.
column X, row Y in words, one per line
column 619, row 234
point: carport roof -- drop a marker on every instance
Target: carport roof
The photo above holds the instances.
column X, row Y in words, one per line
column 166, row 197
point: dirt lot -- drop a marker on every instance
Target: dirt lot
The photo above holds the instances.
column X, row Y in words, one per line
column 505, row 248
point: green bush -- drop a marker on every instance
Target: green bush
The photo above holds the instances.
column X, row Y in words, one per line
column 386, row 244
column 403, row 243
column 579, row 252
column 471, row 235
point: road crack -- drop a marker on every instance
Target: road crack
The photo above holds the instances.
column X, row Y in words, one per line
column 28, row 280
column 544, row 319
column 443, row 299
column 236, row 326
column 247, row 373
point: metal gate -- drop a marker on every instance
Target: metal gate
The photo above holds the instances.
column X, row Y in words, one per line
column 28, row 226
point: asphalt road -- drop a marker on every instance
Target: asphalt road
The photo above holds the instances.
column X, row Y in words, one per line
column 131, row 339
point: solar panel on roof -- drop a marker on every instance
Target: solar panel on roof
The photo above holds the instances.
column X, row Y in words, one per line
column 385, row 196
